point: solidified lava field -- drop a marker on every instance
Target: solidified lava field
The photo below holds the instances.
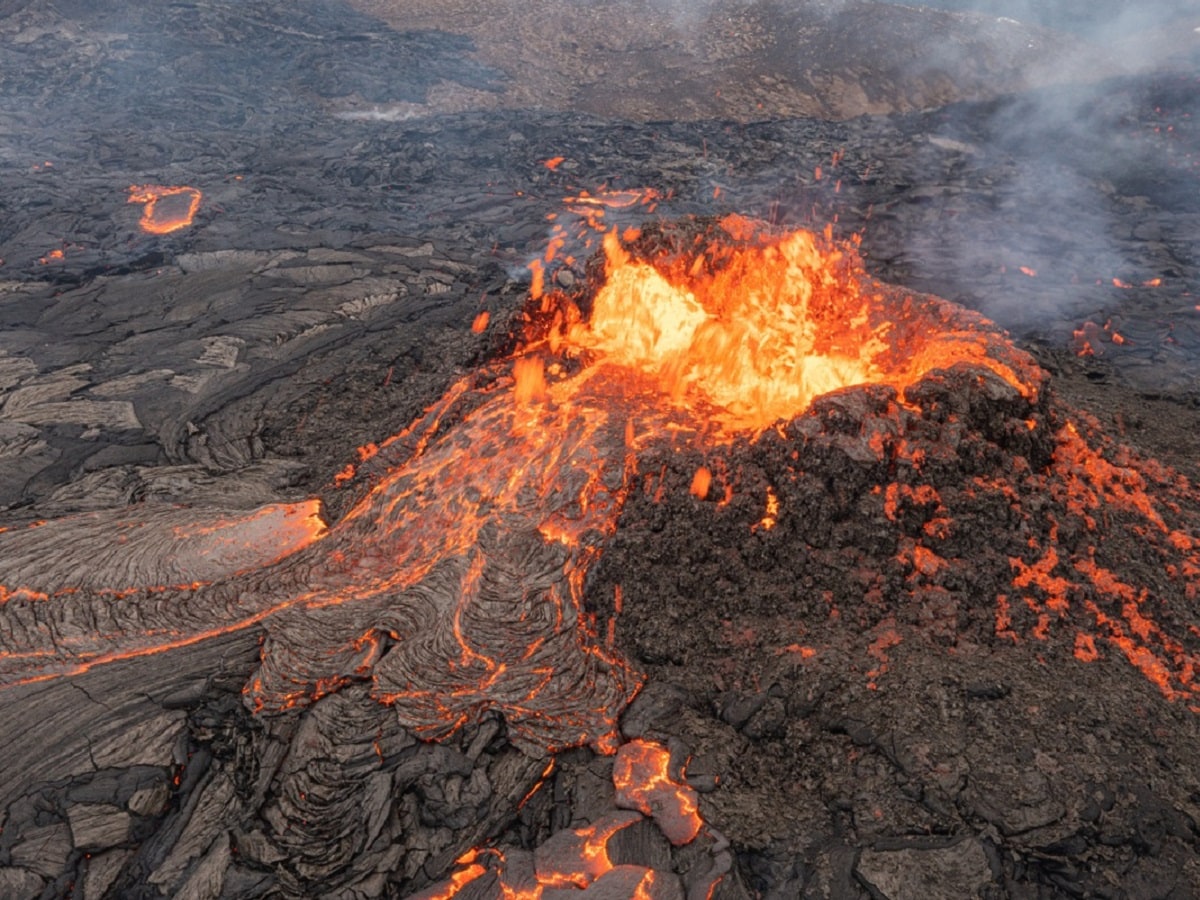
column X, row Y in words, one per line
column 286, row 292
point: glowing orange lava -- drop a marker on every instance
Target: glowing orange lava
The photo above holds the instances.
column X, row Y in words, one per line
column 165, row 209
column 758, row 323
column 695, row 348
column 642, row 776
column 455, row 584
column 578, row 858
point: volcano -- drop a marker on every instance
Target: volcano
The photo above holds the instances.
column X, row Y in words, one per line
column 609, row 450
column 465, row 528
column 844, row 474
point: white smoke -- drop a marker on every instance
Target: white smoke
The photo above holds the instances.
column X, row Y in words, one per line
column 1065, row 159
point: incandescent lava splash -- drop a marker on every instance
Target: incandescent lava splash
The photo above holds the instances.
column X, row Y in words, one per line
column 751, row 325
column 456, row 584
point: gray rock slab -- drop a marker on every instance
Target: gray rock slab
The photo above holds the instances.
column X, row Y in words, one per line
column 954, row 872
column 96, row 825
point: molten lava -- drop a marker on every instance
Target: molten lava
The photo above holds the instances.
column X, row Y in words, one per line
column 643, row 778
column 455, row 586
column 165, row 209
column 578, row 858
column 752, row 325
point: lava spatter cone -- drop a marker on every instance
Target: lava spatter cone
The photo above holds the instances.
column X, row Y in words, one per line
column 881, row 471
column 456, row 585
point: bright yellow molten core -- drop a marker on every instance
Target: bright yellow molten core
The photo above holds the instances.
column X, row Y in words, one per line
column 746, row 337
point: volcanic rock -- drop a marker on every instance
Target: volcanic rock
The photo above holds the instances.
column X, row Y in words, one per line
column 959, row 869
column 736, row 60
column 869, row 666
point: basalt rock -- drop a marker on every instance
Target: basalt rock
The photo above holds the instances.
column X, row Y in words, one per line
column 954, row 611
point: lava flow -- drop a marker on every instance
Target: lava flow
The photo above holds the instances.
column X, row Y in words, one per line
column 581, row 859
column 456, row 585
column 165, row 208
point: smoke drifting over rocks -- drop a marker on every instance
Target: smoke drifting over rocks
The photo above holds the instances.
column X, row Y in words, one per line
column 1053, row 147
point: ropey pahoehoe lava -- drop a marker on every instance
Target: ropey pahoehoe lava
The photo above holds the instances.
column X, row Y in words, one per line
column 456, row 584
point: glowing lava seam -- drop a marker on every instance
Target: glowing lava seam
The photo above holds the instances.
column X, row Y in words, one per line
column 178, row 211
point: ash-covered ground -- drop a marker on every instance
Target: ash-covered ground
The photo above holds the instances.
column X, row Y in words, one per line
column 375, row 177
